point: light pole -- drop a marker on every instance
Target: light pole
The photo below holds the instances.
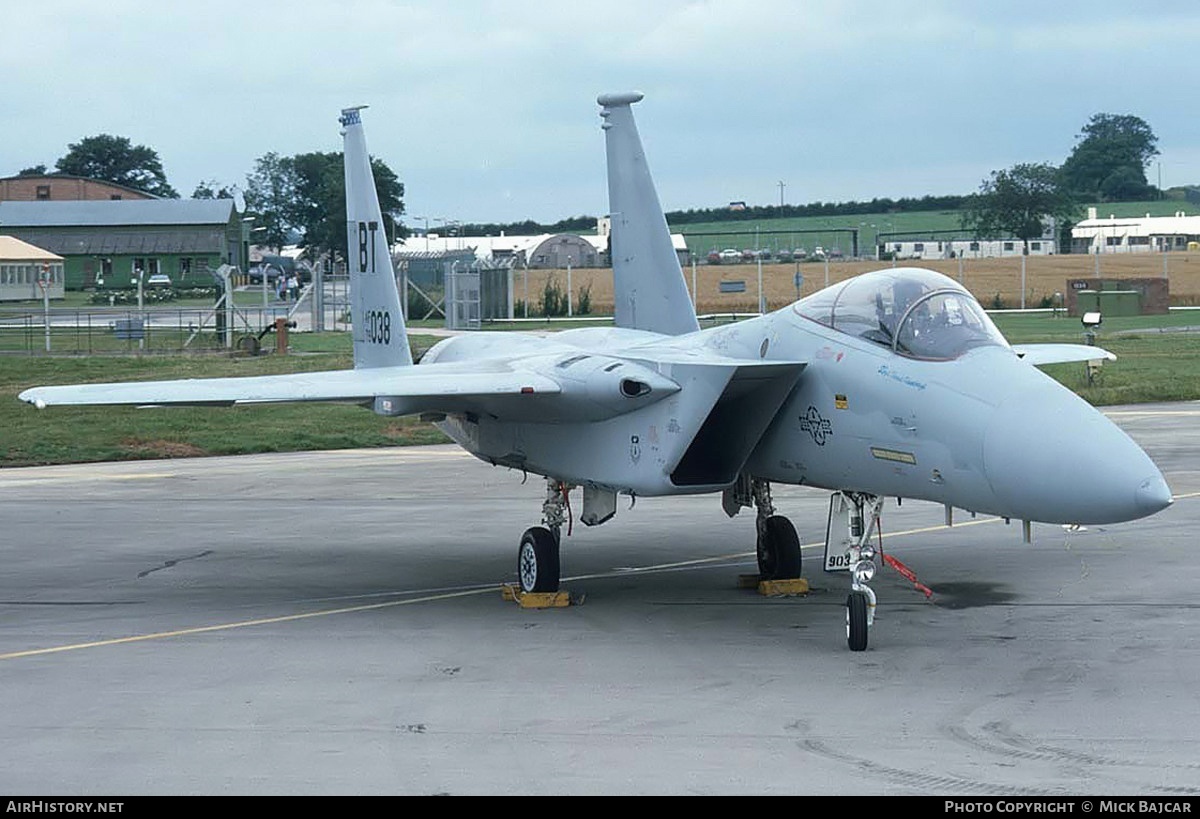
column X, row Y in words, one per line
column 425, row 219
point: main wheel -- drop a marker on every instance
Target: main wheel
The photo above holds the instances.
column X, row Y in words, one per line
column 856, row 621
column 537, row 561
column 778, row 550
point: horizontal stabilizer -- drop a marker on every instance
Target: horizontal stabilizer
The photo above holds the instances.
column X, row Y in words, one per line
column 1040, row 354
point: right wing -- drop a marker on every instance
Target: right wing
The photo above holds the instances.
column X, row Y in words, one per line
column 525, row 389
column 348, row 386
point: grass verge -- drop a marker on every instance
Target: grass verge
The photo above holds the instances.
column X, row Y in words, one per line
column 1152, row 366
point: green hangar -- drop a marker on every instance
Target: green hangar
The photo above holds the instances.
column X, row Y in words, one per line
column 104, row 243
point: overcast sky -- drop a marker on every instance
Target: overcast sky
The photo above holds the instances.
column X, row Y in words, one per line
column 487, row 110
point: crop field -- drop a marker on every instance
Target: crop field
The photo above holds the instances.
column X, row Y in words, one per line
column 995, row 282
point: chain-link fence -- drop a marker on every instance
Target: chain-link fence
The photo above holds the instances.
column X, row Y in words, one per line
column 129, row 330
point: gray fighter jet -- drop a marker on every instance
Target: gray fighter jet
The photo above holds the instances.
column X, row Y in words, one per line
column 893, row 383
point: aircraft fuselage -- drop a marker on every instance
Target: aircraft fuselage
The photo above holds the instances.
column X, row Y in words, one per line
column 984, row 431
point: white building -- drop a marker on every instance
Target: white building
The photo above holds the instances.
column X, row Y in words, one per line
column 26, row 269
column 1136, row 235
column 546, row 250
column 966, row 248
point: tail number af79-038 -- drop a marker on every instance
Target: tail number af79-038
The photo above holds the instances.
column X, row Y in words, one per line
column 379, row 326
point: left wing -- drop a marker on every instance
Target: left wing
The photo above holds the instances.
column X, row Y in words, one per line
column 1039, row 354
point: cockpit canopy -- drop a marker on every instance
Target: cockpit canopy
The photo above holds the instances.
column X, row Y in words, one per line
column 915, row 312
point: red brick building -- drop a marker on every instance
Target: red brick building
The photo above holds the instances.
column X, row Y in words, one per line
column 59, row 187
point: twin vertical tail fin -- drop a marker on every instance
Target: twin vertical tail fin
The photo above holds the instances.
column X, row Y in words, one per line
column 650, row 293
column 380, row 339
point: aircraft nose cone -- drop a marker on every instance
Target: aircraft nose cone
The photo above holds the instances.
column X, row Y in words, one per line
column 1153, row 495
column 1049, row 456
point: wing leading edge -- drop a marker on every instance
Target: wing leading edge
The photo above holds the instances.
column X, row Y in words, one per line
column 348, row 386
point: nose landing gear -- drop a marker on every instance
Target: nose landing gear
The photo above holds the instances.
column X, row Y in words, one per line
column 856, row 556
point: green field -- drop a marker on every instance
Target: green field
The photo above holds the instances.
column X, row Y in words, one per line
column 1151, row 366
column 869, row 226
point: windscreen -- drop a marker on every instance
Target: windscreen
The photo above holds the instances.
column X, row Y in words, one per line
column 918, row 313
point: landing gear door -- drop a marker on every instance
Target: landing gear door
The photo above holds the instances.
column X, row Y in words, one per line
column 839, row 555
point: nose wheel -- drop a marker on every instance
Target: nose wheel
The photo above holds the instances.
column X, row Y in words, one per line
column 858, row 607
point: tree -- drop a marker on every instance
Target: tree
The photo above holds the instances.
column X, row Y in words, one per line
column 115, row 159
column 36, row 170
column 211, row 189
column 307, row 193
column 1015, row 202
column 269, row 193
column 1109, row 161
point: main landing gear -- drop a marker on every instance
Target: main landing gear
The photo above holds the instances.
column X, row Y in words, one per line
column 538, row 566
column 778, row 546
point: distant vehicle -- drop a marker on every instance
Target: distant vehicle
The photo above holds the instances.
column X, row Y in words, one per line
column 764, row 253
column 785, row 255
column 835, row 253
column 275, row 265
column 800, row 254
column 159, row 280
column 729, row 255
column 818, row 254
column 257, row 272
column 714, row 257
column 748, row 255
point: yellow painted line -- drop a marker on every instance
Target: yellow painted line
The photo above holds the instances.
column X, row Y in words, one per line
column 289, row 618
column 102, row 476
column 683, row 564
column 264, row 621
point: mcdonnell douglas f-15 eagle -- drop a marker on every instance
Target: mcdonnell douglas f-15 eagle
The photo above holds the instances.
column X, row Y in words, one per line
column 894, row 383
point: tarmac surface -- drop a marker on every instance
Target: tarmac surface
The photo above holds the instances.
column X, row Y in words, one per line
column 330, row 623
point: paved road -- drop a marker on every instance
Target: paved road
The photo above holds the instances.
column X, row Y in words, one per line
column 329, row 623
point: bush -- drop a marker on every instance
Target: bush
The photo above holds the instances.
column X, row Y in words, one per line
column 554, row 302
column 583, row 304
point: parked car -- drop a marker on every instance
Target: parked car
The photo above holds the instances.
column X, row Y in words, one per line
column 729, row 255
column 835, row 253
column 159, row 280
column 748, row 255
column 714, row 257
column 785, row 255
column 257, row 272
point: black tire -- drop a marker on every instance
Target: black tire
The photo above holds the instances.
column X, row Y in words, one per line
column 856, row 621
column 537, row 561
column 778, row 550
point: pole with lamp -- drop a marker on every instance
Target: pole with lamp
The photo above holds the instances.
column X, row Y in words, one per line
column 44, row 280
